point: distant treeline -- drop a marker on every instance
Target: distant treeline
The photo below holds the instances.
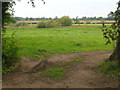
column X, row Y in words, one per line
column 76, row 18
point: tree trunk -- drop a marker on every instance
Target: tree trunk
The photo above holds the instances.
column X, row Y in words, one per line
column 116, row 53
column 0, row 32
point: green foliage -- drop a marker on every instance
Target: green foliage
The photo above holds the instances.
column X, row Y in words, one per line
column 77, row 60
column 8, row 70
column 65, row 21
column 10, row 50
column 55, row 73
column 41, row 24
column 7, row 16
column 47, row 24
column 110, row 68
column 9, row 47
column 111, row 33
column 51, row 23
column 13, row 20
column 20, row 24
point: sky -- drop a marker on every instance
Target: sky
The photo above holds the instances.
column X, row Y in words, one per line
column 59, row 8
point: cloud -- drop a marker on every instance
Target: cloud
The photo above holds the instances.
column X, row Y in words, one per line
column 60, row 8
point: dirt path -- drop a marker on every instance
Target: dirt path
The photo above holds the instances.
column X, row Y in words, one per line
column 81, row 75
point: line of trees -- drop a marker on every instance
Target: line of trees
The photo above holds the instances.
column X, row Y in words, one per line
column 55, row 18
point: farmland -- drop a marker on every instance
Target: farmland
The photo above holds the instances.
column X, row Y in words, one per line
column 80, row 21
column 60, row 40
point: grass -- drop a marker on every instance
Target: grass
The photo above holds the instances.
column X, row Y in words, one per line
column 77, row 60
column 54, row 73
column 59, row 40
column 110, row 68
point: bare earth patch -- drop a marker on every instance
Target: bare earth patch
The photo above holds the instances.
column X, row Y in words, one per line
column 82, row 75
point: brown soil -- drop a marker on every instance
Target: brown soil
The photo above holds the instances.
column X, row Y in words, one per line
column 81, row 75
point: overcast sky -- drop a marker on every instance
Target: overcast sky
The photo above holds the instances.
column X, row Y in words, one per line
column 72, row 8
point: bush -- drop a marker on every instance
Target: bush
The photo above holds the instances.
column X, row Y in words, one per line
column 41, row 24
column 10, row 50
column 65, row 21
column 20, row 24
column 47, row 24
column 51, row 23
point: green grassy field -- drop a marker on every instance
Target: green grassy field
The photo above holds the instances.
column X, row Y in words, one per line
column 59, row 40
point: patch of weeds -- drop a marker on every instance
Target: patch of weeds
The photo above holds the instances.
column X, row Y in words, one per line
column 8, row 70
column 110, row 68
column 78, row 44
column 85, row 32
column 42, row 50
column 39, row 56
column 77, row 60
column 54, row 73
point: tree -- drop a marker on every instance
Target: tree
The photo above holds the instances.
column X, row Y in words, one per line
column 116, row 27
column 6, row 16
column 9, row 48
column 65, row 21
column 113, row 34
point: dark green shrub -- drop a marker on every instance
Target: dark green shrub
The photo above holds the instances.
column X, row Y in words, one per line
column 65, row 21
column 20, row 24
column 10, row 50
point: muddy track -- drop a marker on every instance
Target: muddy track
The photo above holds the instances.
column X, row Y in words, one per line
column 81, row 75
